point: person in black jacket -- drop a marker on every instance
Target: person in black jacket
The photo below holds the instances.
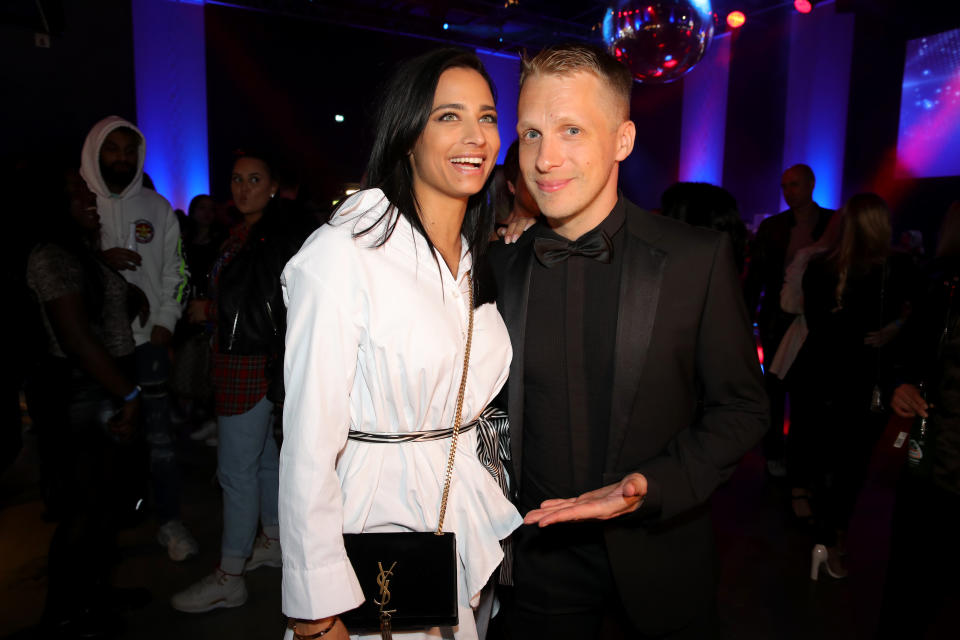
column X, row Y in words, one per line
column 248, row 321
column 634, row 383
column 924, row 556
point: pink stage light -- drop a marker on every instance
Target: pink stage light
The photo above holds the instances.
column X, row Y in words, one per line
column 803, row 6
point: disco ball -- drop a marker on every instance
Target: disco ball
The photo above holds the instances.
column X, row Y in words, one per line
column 659, row 40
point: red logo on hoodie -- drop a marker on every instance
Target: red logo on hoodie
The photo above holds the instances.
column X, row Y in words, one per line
column 144, row 231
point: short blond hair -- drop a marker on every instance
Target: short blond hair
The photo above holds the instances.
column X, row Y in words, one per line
column 568, row 59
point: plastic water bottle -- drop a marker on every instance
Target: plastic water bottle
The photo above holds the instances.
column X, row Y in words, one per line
column 132, row 237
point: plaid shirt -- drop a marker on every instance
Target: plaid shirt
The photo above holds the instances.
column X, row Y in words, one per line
column 239, row 381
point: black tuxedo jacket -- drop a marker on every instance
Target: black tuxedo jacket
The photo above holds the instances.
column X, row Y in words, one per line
column 687, row 403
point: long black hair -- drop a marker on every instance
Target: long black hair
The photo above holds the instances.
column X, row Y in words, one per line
column 401, row 119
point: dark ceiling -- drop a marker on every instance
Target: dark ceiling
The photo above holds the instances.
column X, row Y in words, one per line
column 509, row 25
column 497, row 24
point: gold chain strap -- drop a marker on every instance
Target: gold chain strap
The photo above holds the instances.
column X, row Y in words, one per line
column 459, row 414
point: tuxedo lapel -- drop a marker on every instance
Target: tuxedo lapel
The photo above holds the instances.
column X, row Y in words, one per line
column 515, row 294
column 640, row 281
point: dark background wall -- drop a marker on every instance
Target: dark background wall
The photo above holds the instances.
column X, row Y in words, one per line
column 653, row 166
column 276, row 82
column 756, row 104
column 51, row 97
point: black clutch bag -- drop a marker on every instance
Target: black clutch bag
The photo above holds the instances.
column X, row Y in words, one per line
column 411, row 576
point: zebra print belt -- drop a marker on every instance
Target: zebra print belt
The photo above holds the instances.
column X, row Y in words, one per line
column 409, row 436
column 493, row 441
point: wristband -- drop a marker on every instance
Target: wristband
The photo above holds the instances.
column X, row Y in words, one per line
column 132, row 395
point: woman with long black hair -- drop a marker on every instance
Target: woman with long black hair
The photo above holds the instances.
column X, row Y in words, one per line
column 378, row 312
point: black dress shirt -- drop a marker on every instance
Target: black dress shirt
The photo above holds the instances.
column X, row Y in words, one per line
column 568, row 370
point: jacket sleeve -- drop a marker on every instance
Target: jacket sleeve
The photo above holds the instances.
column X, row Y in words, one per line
column 174, row 275
column 324, row 331
column 734, row 412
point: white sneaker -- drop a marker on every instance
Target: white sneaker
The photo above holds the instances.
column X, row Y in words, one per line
column 179, row 543
column 212, row 592
column 266, row 553
column 206, row 430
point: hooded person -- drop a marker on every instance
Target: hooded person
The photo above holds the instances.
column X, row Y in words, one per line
column 137, row 220
column 140, row 238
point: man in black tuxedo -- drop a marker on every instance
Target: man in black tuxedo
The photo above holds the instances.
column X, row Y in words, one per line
column 633, row 371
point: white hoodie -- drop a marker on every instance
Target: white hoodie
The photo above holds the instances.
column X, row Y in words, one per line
column 162, row 274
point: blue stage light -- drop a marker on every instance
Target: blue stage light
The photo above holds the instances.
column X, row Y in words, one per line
column 172, row 96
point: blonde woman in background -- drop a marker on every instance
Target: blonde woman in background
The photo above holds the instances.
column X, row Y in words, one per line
column 855, row 301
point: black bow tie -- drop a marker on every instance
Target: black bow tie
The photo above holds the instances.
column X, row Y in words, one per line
column 595, row 244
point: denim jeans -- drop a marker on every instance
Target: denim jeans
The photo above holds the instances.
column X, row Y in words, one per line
column 248, row 466
column 153, row 369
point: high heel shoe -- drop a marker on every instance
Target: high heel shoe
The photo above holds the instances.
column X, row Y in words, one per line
column 821, row 557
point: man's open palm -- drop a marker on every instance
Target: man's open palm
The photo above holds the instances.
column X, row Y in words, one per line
column 600, row 504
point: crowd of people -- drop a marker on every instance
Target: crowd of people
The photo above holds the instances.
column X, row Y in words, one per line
column 617, row 344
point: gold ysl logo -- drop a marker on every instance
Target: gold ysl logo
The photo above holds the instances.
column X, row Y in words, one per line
column 383, row 581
